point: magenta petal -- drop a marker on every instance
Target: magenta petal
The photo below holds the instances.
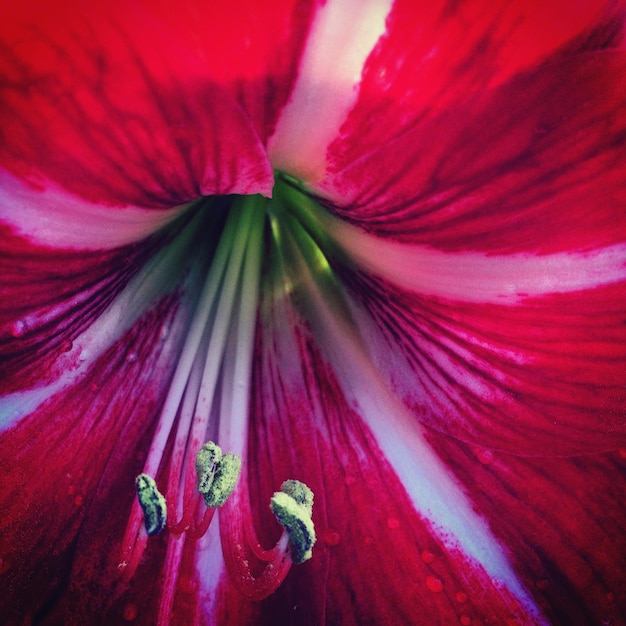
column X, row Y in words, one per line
column 436, row 55
column 109, row 104
column 562, row 520
column 541, row 376
column 369, row 532
column 542, row 149
column 49, row 297
column 54, row 460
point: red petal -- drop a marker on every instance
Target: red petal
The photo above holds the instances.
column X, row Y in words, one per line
column 543, row 376
column 251, row 50
column 376, row 560
column 60, row 308
column 535, row 165
column 54, row 460
column 48, row 298
column 438, row 54
column 110, row 104
column 562, row 520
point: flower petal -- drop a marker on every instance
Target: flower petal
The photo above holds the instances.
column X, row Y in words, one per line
column 563, row 521
column 546, row 148
column 434, row 56
column 60, row 309
column 304, row 427
column 541, row 376
column 110, row 105
column 54, row 460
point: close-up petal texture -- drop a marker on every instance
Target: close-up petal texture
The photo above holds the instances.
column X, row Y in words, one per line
column 313, row 313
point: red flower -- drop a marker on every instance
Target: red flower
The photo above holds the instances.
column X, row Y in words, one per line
column 374, row 247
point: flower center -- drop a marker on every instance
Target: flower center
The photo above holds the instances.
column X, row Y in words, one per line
column 208, row 400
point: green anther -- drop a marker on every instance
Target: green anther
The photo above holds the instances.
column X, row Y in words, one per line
column 217, row 474
column 294, row 515
column 207, row 460
column 153, row 504
column 300, row 493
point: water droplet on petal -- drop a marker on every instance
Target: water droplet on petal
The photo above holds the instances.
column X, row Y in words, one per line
column 485, row 457
column 164, row 332
column 130, row 612
column 19, row 328
column 466, row 620
column 188, row 584
column 332, row 537
column 461, row 596
column 434, row 584
column 427, row 556
column 349, row 481
column 393, row 522
column 622, row 453
column 78, row 500
column 131, row 357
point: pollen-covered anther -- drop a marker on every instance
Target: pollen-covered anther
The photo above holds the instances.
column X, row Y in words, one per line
column 152, row 503
column 217, row 474
column 293, row 506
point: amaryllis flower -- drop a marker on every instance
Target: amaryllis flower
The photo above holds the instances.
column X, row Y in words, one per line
column 375, row 251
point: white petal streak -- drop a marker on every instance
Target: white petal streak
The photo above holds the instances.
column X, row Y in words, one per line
column 431, row 486
column 478, row 277
column 53, row 217
column 160, row 276
column 341, row 39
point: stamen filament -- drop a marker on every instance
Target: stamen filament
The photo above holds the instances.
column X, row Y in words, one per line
column 220, row 285
column 173, row 559
column 255, row 571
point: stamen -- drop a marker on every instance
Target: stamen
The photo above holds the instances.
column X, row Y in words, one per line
column 217, row 474
column 202, row 355
column 213, row 380
column 293, row 507
column 153, row 504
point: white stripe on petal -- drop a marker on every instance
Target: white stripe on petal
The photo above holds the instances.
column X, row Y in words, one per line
column 475, row 276
column 160, row 276
column 342, row 37
column 435, row 492
column 56, row 218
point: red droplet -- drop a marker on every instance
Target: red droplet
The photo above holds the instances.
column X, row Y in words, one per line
column 466, row 620
column 349, row 480
column 71, row 490
column 434, row 584
column 622, row 453
column 332, row 537
column 461, row 596
column 188, row 584
column 78, row 500
column 485, row 457
column 427, row 556
column 130, row 612
column 393, row 522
